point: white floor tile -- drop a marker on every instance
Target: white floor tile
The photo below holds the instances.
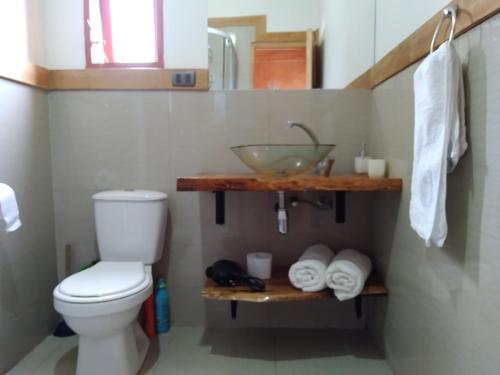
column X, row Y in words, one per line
column 195, row 350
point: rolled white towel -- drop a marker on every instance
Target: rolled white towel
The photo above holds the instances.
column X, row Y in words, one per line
column 347, row 273
column 308, row 273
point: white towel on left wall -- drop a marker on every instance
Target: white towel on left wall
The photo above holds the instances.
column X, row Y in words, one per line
column 439, row 142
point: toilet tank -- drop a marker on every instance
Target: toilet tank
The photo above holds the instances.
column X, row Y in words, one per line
column 130, row 225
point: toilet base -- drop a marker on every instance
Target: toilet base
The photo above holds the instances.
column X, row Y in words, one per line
column 119, row 354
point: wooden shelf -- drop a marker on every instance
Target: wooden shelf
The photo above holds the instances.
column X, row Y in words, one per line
column 278, row 289
column 299, row 183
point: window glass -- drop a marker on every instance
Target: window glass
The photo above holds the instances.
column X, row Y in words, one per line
column 124, row 32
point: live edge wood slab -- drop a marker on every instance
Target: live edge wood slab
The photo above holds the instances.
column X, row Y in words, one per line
column 279, row 289
column 298, row 183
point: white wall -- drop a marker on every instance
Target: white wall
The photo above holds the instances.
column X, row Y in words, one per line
column 184, row 26
column 21, row 32
column 356, row 34
column 396, row 20
column 348, row 42
column 50, row 32
column 186, row 38
column 282, row 15
column 63, row 28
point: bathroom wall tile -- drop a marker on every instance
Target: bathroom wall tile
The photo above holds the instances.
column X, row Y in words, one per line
column 108, row 140
column 27, row 256
column 247, row 117
column 315, row 314
column 337, row 117
column 185, row 265
column 218, row 315
column 187, row 306
column 440, row 315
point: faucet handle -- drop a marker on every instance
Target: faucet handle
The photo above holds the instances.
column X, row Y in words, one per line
column 324, row 167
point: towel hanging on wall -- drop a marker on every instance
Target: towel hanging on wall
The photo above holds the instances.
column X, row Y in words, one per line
column 440, row 140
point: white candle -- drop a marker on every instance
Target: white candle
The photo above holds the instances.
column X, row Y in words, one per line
column 376, row 168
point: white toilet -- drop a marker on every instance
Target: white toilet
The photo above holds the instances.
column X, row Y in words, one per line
column 101, row 303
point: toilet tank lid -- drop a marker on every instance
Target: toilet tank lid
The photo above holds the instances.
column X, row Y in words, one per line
column 130, row 195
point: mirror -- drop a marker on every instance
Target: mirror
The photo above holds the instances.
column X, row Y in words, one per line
column 304, row 44
column 264, row 44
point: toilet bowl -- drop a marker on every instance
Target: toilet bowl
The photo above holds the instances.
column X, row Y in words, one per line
column 101, row 305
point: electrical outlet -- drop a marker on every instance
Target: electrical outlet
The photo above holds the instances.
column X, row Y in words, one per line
column 184, row 79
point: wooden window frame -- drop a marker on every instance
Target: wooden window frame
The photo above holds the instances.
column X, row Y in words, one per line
column 158, row 4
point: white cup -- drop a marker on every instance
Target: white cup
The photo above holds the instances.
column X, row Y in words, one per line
column 259, row 265
column 376, row 168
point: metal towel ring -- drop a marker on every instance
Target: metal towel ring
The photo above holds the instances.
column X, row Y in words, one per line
column 448, row 12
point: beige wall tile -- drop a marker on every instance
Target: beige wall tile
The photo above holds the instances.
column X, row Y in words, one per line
column 27, row 256
column 113, row 140
column 441, row 313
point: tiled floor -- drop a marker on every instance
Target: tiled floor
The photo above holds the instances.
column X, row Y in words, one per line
column 193, row 351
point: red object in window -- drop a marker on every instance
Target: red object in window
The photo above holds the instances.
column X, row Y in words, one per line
column 123, row 33
column 107, row 34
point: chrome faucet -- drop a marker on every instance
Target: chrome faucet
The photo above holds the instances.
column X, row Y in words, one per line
column 307, row 129
column 282, row 214
column 323, row 168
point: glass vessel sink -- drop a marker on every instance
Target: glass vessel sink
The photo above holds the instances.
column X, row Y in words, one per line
column 282, row 160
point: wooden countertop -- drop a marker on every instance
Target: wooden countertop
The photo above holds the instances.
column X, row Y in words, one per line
column 213, row 182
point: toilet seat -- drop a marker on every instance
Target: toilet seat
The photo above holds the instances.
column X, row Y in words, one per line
column 103, row 282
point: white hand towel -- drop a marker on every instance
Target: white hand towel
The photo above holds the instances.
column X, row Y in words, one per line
column 9, row 211
column 347, row 273
column 308, row 273
column 439, row 142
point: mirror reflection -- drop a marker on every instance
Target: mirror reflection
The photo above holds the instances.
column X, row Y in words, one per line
column 270, row 44
column 304, row 44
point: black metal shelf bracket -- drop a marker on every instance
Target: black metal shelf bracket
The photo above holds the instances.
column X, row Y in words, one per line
column 340, row 198
column 220, row 207
column 234, row 309
column 358, row 306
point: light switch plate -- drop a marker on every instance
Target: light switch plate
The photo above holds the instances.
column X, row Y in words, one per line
column 184, row 79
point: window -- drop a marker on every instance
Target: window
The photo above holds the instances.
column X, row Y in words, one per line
column 123, row 33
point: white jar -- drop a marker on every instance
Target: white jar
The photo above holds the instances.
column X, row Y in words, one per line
column 376, row 168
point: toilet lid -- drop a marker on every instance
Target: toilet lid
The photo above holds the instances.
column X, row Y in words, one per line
column 104, row 279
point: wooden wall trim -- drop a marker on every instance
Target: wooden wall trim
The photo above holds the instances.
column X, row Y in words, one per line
column 122, row 79
column 27, row 74
column 416, row 46
column 261, row 33
column 260, row 23
column 100, row 79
